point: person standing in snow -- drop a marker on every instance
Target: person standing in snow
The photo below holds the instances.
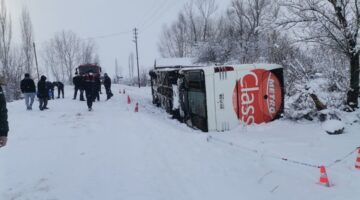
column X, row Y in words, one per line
column 90, row 89
column 107, row 84
column 60, row 88
column 4, row 125
column 79, row 85
column 43, row 93
column 98, row 87
column 27, row 86
column 50, row 86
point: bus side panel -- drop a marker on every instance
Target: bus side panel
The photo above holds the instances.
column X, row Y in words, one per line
column 225, row 84
column 210, row 102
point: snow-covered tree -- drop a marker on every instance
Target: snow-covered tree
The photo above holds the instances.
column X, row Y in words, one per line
column 333, row 24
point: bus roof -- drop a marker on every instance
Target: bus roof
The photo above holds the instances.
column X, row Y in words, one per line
column 240, row 67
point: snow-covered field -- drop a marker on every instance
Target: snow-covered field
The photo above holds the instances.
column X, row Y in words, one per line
column 112, row 153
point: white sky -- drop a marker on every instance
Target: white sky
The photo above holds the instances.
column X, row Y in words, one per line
column 92, row 18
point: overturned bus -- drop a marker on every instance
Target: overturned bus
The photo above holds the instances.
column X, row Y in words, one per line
column 219, row 98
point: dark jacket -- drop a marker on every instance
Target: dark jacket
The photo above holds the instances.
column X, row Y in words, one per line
column 4, row 125
column 89, row 83
column 58, row 84
column 50, row 85
column 107, row 82
column 98, row 83
column 43, row 90
column 77, row 81
column 27, row 85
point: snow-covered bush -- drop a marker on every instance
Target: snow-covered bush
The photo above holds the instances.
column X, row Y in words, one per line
column 321, row 76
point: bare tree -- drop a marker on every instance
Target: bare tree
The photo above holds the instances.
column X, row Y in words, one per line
column 207, row 9
column 193, row 22
column 97, row 59
column 66, row 51
column 175, row 41
column 5, row 48
column 118, row 71
column 68, row 45
column 166, row 45
column 331, row 23
column 27, row 36
column 252, row 20
column 52, row 61
column 88, row 49
column 144, row 77
column 5, row 39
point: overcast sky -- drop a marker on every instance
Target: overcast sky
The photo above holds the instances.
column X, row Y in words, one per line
column 92, row 18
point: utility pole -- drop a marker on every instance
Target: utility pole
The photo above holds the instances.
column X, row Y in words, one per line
column 36, row 61
column 137, row 53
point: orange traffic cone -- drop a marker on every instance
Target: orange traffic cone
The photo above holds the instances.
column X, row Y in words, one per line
column 357, row 163
column 323, row 177
column 129, row 100
column 137, row 107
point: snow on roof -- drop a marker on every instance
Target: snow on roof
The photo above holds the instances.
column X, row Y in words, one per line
column 170, row 62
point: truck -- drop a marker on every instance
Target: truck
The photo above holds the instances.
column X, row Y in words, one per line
column 86, row 68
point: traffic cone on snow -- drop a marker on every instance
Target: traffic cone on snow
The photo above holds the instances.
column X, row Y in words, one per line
column 323, row 177
column 136, row 107
column 129, row 100
column 357, row 163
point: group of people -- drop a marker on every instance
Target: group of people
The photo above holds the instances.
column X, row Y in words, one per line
column 90, row 83
column 45, row 91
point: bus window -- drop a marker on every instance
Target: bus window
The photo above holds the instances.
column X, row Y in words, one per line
column 196, row 99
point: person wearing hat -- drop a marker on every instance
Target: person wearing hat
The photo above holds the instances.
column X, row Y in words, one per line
column 43, row 93
column 90, row 89
column 107, row 84
column 28, row 88
column 4, row 125
column 78, row 85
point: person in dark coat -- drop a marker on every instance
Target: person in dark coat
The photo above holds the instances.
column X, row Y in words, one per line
column 4, row 125
column 43, row 93
column 51, row 88
column 98, row 87
column 27, row 86
column 78, row 85
column 60, row 88
column 90, row 89
column 107, row 84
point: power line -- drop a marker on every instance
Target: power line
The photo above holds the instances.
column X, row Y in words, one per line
column 146, row 23
column 145, row 27
column 108, row 35
column 158, row 10
column 155, row 8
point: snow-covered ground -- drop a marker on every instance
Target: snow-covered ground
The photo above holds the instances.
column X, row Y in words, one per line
column 113, row 153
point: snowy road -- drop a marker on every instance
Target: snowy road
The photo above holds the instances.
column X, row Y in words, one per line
column 112, row 153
